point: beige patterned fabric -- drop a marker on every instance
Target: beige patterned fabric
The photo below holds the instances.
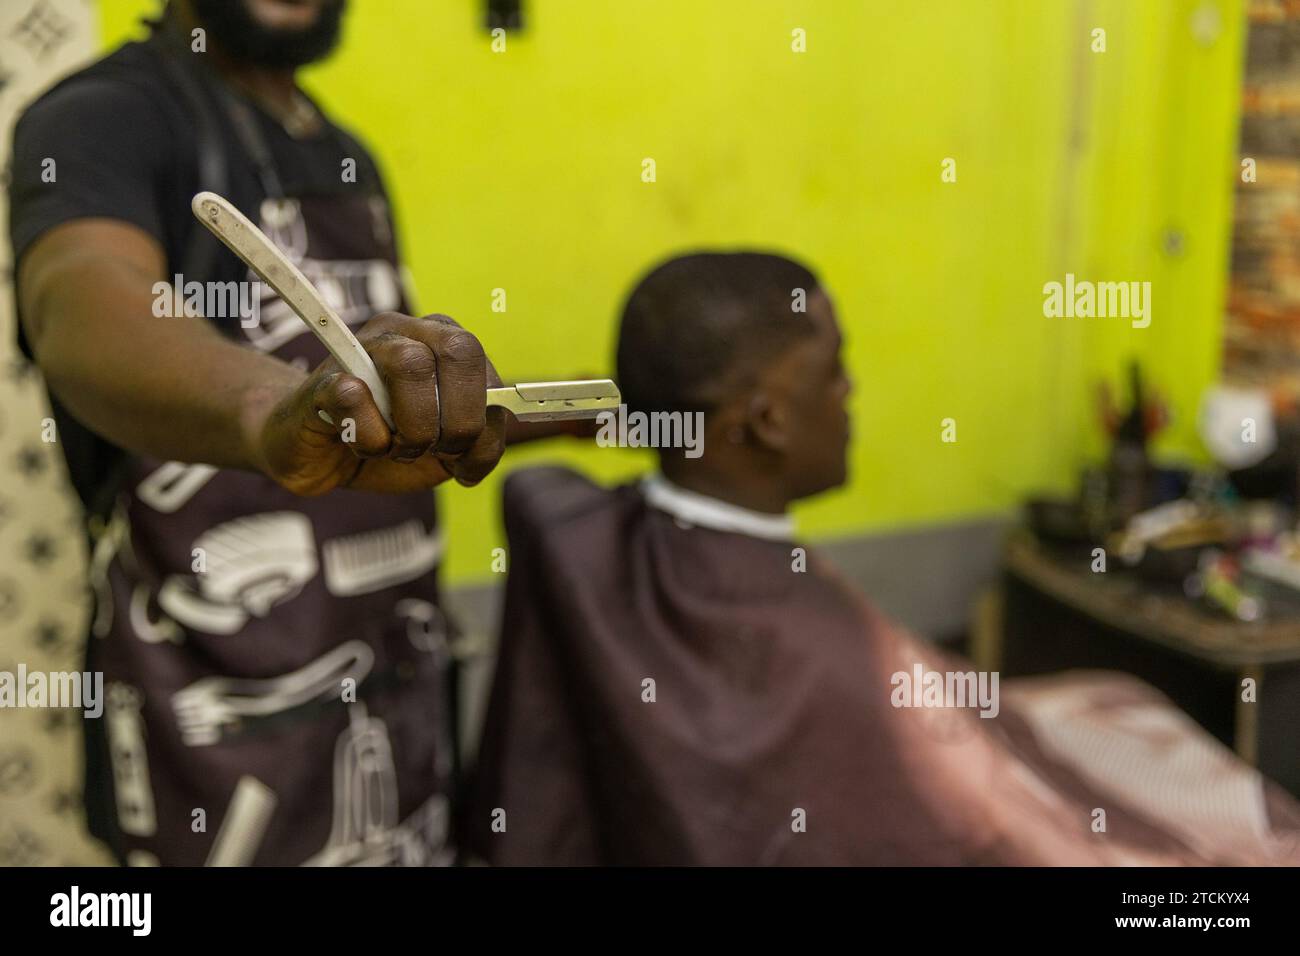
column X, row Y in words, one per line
column 1125, row 738
column 43, row 607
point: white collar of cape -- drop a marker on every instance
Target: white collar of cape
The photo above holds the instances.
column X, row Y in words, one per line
column 692, row 509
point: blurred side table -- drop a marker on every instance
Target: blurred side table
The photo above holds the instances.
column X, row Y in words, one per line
column 1058, row 614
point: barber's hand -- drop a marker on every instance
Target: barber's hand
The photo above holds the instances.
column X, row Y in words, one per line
column 436, row 375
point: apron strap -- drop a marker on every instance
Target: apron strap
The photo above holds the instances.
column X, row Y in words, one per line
column 204, row 91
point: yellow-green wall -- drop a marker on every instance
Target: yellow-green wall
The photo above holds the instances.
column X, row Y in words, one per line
column 522, row 171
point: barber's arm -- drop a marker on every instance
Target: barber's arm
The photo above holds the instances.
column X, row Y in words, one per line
column 175, row 388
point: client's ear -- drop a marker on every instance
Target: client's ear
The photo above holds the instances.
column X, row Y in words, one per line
column 768, row 420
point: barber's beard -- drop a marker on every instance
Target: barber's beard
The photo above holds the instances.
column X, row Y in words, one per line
column 243, row 39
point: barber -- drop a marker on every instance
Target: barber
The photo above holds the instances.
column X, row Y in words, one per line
column 266, row 614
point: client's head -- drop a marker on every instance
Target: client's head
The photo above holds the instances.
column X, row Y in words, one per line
column 749, row 340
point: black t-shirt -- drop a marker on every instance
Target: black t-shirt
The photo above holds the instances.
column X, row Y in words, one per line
column 125, row 141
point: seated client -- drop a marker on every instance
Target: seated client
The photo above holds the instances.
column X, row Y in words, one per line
column 681, row 682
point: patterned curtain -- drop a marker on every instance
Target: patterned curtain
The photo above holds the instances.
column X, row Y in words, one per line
column 43, row 605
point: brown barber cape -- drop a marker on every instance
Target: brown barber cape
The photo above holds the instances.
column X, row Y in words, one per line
column 672, row 694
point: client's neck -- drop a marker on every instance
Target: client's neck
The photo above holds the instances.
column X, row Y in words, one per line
column 749, row 491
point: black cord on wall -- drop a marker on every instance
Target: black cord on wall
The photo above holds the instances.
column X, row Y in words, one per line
column 504, row 14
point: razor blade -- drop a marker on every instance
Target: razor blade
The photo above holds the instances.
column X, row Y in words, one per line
column 530, row 402
column 556, row 401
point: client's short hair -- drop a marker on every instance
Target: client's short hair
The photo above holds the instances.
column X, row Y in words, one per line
column 699, row 325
